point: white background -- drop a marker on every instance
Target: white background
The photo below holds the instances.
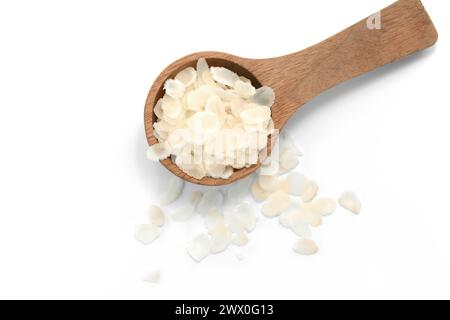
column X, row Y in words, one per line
column 74, row 180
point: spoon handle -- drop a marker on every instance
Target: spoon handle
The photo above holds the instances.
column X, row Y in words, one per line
column 395, row 32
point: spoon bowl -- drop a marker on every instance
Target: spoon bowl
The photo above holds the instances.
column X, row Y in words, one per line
column 404, row 28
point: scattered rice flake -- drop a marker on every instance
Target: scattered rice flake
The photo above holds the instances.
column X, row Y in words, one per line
column 324, row 206
column 275, row 204
column 268, row 183
column 147, row 233
column 198, row 248
column 246, row 216
column 174, row 88
column 213, row 218
column 224, row 76
column 220, row 238
column 173, row 190
column 302, row 230
column 156, row 216
column 258, row 193
column 187, row 76
column 311, row 191
column 240, row 239
column 283, row 186
column 285, row 217
column 158, row 151
column 233, row 222
column 305, row 247
column 270, row 168
column 314, row 218
column 288, row 160
column 297, row 183
column 350, row 201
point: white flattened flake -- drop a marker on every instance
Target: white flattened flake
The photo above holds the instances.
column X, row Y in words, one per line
column 297, row 183
column 152, row 277
column 302, row 230
column 270, row 167
column 224, row 76
column 314, row 218
column 283, row 186
column 233, row 223
column 220, row 238
column 350, row 201
column 198, row 248
column 174, row 88
column 258, row 193
column 158, row 151
column 173, row 191
column 264, row 96
column 187, row 76
column 275, row 204
column 196, row 99
column 324, row 206
column 255, row 114
column 305, row 247
column 156, row 216
column 204, row 76
column 244, row 89
column 240, row 239
column 288, row 160
column 246, row 216
column 171, row 107
column 227, row 173
column 158, row 109
column 311, row 191
column 146, row 233
column 204, row 122
column 215, row 170
column 212, row 199
column 268, row 183
column 213, row 218
column 284, row 218
column 196, row 171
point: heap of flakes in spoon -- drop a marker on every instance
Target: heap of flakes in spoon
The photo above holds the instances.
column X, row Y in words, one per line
column 211, row 121
column 284, row 193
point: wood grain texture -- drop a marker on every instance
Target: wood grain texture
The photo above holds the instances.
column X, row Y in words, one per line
column 297, row 78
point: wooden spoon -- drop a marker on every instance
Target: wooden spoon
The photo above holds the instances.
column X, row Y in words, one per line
column 299, row 77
